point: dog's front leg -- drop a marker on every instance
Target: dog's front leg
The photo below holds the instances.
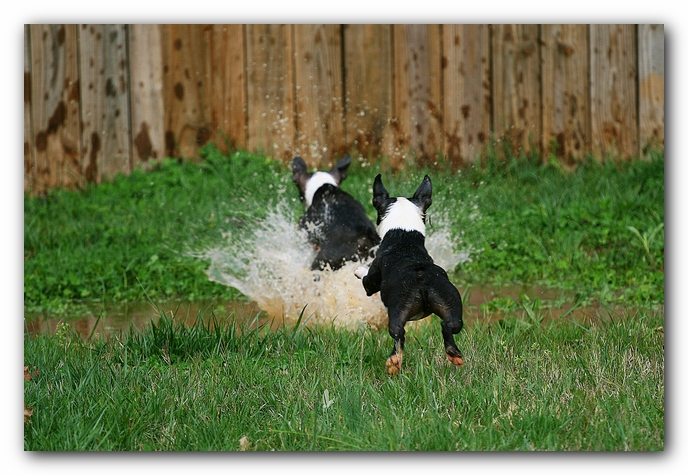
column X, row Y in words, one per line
column 361, row 272
column 371, row 278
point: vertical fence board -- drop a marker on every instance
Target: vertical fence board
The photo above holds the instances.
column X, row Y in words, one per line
column 319, row 93
column 651, row 85
column 270, row 91
column 565, row 92
column 368, row 86
column 105, row 135
column 406, row 92
column 147, row 107
column 29, row 175
column 55, row 107
column 186, row 86
column 516, row 85
column 466, row 68
column 417, row 92
column 613, row 84
column 229, row 86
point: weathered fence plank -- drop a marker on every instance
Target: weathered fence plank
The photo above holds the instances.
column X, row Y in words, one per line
column 565, row 93
column 405, row 92
column 368, row 86
column 516, row 86
column 270, row 90
column 105, row 134
column 466, row 68
column 651, row 85
column 229, row 86
column 55, row 106
column 417, row 94
column 319, row 94
column 613, row 86
column 29, row 173
column 147, row 106
column 186, row 86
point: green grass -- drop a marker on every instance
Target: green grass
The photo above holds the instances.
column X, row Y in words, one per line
column 597, row 230
column 529, row 382
column 525, row 385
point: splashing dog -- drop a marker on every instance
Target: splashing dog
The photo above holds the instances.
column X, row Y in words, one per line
column 411, row 285
column 336, row 223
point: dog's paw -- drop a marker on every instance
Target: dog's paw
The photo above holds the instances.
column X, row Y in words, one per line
column 393, row 364
column 361, row 272
column 455, row 360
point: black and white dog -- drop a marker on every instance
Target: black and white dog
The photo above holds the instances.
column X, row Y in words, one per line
column 336, row 223
column 411, row 285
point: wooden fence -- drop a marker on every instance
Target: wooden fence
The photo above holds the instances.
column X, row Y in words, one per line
column 103, row 99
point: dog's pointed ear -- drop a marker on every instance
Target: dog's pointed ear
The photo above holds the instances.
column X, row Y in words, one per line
column 423, row 195
column 299, row 171
column 339, row 170
column 380, row 194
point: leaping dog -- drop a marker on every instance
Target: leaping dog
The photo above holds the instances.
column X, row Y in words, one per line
column 411, row 285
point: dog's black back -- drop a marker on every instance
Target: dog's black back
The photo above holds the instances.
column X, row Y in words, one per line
column 335, row 221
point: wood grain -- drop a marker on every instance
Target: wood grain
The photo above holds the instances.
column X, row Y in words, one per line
column 467, row 98
column 147, row 98
column 417, row 95
column 103, row 69
column 516, row 86
column 651, row 85
column 55, row 106
column 270, row 90
column 186, row 89
column 613, row 91
column 29, row 160
column 566, row 121
column 228, row 102
column 368, row 85
column 319, row 94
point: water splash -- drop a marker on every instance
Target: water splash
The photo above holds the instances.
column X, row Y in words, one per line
column 271, row 265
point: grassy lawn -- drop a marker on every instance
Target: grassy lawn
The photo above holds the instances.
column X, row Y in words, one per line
column 526, row 385
column 529, row 382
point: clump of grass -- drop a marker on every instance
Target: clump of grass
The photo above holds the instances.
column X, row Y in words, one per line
column 527, row 384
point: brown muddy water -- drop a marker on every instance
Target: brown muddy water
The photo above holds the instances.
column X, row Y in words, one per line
column 271, row 267
column 481, row 304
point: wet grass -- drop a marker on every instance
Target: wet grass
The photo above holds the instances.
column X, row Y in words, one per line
column 527, row 384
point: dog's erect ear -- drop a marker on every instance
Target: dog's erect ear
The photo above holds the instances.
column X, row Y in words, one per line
column 339, row 170
column 423, row 195
column 299, row 170
column 380, row 195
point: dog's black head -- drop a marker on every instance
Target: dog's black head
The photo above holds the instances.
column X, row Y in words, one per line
column 401, row 213
column 308, row 183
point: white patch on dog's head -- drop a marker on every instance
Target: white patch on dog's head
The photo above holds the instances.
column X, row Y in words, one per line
column 314, row 182
column 402, row 214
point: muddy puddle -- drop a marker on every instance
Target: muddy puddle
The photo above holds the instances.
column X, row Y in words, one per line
column 270, row 265
column 481, row 304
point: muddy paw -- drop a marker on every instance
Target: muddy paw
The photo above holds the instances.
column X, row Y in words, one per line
column 361, row 272
column 456, row 360
column 393, row 364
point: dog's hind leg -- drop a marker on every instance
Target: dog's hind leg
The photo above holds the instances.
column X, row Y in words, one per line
column 448, row 331
column 397, row 332
column 450, row 311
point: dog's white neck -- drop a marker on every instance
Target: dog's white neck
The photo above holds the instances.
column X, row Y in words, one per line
column 402, row 215
column 316, row 181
